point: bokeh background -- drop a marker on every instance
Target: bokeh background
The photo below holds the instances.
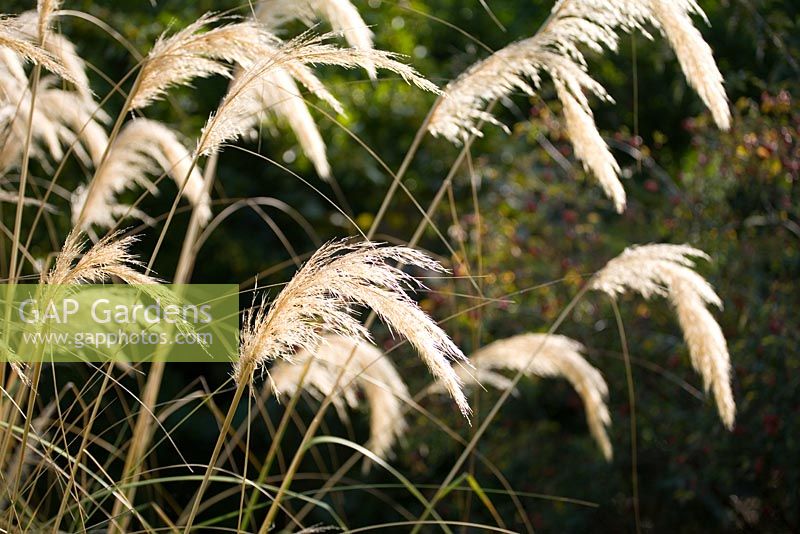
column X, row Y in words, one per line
column 543, row 225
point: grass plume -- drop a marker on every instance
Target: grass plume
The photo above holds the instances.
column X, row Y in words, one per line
column 666, row 270
column 546, row 355
column 321, row 295
column 368, row 370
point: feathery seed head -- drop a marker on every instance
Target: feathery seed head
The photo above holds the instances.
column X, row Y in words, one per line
column 556, row 50
column 666, row 270
column 193, row 53
column 142, row 147
column 547, row 355
column 109, row 257
column 14, row 38
column 339, row 275
column 233, row 118
column 366, row 368
column 342, row 15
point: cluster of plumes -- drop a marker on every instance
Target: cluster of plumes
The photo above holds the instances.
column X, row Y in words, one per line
column 142, row 147
column 269, row 71
column 234, row 116
column 556, row 51
column 667, row 271
column 60, row 117
column 71, row 118
column 545, row 355
column 320, row 297
column 364, row 368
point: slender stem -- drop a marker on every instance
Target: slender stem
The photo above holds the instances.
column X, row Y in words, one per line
column 143, row 428
column 409, row 157
column 301, row 449
column 276, row 440
column 186, row 260
column 217, row 448
column 139, row 440
column 632, row 407
column 23, row 178
column 84, row 442
column 37, row 373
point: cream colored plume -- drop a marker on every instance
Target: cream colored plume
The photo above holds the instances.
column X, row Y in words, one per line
column 14, row 39
column 320, row 297
column 342, row 15
column 104, row 261
column 547, row 356
column 234, row 118
column 31, row 23
column 194, row 53
column 280, row 96
column 80, row 120
column 666, row 270
column 366, row 369
column 14, row 114
column 590, row 147
column 143, row 147
column 109, row 257
column 694, row 54
column 60, row 118
column 555, row 50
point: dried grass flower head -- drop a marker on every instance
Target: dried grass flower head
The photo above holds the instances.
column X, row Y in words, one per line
column 36, row 27
column 365, row 369
column 234, row 116
column 14, row 39
column 667, row 271
column 342, row 15
column 143, row 147
column 198, row 52
column 277, row 94
column 547, row 355
column 60, row 118
column 321, row 296
column 108, row 258
column 555, row 50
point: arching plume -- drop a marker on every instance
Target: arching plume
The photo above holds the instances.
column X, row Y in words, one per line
column 666, row 271
column 14, row 39
column 61, row 118
column 367, row 369
column 233, row 118
column 280, row 96
column 546, row 355
column 33, row 24
column 321, row 295
column 555, row 50
column 193, row 53
column 342, row 15
column 143, row 147
column 109, row 257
